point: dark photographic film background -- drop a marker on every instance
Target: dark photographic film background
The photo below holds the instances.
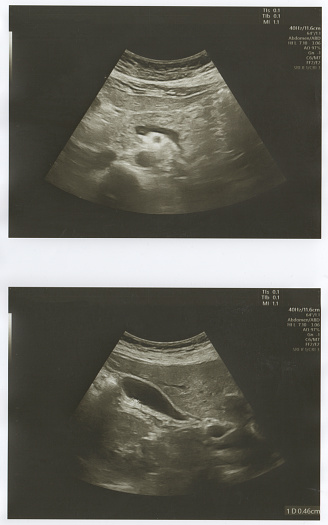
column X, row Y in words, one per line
column 61, row 338
column 61, row 58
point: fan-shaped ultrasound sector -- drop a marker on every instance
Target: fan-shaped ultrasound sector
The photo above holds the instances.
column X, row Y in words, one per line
column 165, row 137
column 160, row 418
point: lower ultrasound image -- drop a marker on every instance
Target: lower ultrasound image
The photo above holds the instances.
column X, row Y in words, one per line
column 162, row 418
column 164, row 403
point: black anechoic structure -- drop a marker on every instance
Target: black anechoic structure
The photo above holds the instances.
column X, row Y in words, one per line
column 165, row 418
column 165, row 137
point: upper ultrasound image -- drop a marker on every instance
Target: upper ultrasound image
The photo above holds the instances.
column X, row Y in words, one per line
column 164, row 122
column 165, row 137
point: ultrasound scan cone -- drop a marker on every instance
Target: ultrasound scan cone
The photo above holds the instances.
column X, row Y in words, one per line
column 165, row 418
column 165, row 137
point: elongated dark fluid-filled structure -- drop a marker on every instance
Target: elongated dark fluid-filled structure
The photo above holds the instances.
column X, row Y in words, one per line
column 165, row 137
column 163, row 418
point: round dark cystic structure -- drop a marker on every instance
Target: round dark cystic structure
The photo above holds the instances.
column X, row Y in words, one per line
column 165, row 137
column 166, row 418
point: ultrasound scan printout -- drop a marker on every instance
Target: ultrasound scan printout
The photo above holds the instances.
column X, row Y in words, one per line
column 164, row 403
column 165, row 122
